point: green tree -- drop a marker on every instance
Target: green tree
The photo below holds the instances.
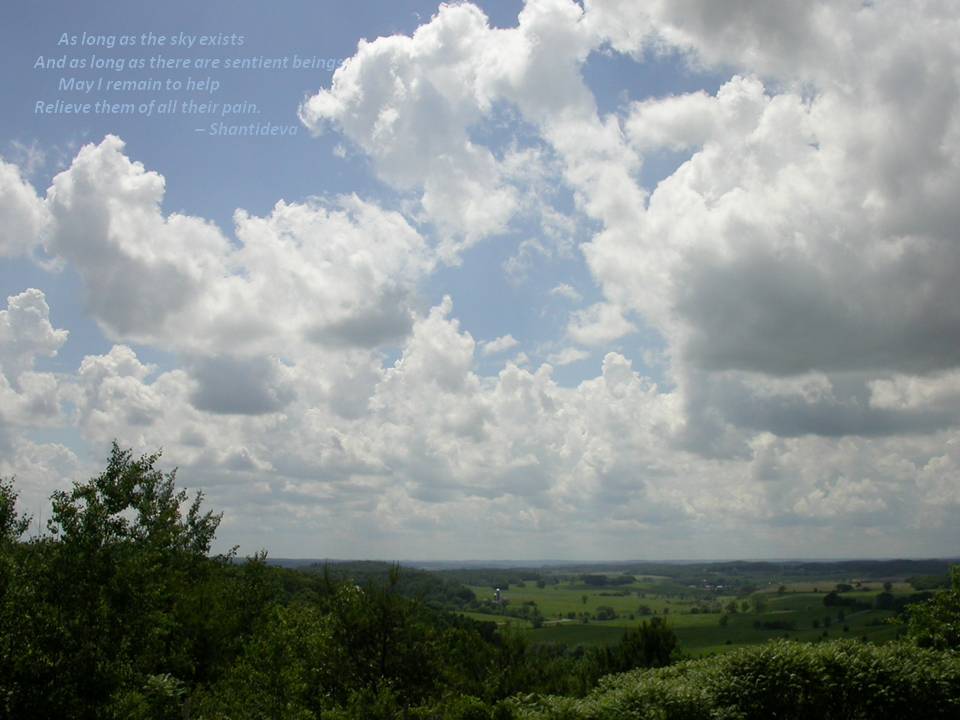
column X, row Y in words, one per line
column 132, row 503
column 605, row 612
column 12, row 525
column 936, row 622
column 16, row 593
column 884, row 601
column 650, row 644
column 98, row 621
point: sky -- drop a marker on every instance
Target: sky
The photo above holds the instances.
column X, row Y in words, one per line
column 529, row 280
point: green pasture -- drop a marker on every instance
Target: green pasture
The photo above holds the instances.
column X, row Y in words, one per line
column 557, row 601
column 699, row 633
column 500, row 620
column 600, row 633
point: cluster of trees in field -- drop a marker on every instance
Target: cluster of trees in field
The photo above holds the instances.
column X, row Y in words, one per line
column 120, row 611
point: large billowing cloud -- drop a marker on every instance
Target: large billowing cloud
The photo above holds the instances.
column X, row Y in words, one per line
column 26, row 333
column 23, row 213
column 812, row 229
column 793, row 258
column 387, row 97
column 411, row 104
column 28, row 397
column 342, row 274
column 799, row 265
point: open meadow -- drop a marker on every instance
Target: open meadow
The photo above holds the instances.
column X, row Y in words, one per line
column 705, row 619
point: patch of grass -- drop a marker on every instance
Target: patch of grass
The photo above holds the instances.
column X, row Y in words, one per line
column 698, row 633
column 500, row 620
column 576, row 634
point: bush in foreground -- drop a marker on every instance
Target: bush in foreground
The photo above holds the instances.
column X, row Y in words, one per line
column 784, row 680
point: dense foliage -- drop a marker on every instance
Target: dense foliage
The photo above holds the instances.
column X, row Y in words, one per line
column 120, row 611
column 434, row 590
column 783, row 679
column 936, row 623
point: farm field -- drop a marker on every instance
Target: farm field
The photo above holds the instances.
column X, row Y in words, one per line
column 702, row 619
column 500, row 620
column 558, row 601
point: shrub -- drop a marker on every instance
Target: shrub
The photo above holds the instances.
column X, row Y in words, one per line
column 782, row 679
column 936, row 622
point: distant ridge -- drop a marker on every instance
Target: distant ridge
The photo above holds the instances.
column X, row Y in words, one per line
column 846, row 566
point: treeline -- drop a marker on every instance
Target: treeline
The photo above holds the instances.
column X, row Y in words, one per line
column 759, row 569
column 119, row 611
column 502, row 578
column 432, row 589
